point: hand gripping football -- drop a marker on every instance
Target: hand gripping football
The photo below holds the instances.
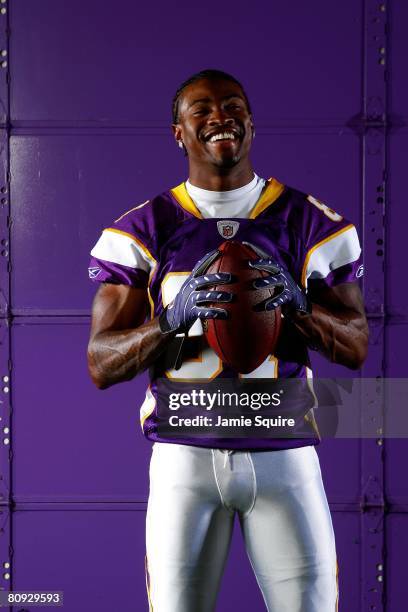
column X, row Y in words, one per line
column 247, row 337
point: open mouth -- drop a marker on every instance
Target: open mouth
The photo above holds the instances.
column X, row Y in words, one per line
column 223, row 136
column 221, row 133
column 227, row 135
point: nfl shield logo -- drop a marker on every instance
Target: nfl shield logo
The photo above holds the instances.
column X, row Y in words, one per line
column 227, row 229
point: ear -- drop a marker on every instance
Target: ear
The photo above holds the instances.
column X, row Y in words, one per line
column 177, row 131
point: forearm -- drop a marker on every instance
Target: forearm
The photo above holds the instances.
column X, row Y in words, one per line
column 342, row 337
column 115, row 356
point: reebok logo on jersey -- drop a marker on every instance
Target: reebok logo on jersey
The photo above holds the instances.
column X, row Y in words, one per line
column 360, row 271
column 227, row 229
column 93, row 272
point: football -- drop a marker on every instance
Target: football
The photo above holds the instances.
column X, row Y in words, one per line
column 247, row 337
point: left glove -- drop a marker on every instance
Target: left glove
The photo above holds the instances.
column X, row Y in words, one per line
column 189, row 303
column 287, row 291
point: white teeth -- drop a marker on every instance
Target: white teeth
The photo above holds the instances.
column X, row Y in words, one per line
column 223, row 136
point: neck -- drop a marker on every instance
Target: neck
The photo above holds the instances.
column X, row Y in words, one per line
column 220, row 179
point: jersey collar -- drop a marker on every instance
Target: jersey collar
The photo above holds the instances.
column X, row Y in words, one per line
column 269, row 195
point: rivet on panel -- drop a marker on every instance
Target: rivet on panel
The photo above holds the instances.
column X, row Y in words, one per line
column 4, row 200
column 6, row 576
column 382, row 61
column 6, row 379
column 3, row 11
column 6, row 430
column 379, row 442
column 6, row 389
column 3, row 53
column 3, row 64
column 6, row 441
column 6, row 565
column 4, row 253
column 380, row 578
column 380, row 567
column 3, row 189
column 382, row 50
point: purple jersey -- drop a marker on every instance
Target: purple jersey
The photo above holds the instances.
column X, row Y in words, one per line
column 156, row 245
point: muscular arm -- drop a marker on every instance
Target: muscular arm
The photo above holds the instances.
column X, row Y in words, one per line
column 337, row 327
column 121, row 345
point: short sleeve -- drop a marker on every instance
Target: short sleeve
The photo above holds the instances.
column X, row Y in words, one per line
column 332, row 249
column 120, row 257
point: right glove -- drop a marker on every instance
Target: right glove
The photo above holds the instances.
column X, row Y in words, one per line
column 288, row 294
column 186, row 308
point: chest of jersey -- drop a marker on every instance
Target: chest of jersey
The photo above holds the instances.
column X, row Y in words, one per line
column 192, row 239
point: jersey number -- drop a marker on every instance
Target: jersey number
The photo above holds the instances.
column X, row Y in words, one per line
column 329, row 212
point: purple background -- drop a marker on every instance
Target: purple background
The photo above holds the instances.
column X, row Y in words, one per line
column 85, row 111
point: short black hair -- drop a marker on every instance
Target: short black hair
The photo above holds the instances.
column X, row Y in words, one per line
column 210, row 74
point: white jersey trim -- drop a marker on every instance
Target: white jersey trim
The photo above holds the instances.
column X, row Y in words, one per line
column 335, row 251
column 120, row 248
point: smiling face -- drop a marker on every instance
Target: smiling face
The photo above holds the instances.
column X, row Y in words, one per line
column 215, row 126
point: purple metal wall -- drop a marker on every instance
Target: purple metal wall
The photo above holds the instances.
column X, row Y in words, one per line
column 85, row 91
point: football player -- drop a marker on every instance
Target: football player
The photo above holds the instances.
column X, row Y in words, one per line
column 153, row 260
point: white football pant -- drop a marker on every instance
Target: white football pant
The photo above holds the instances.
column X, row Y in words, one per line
column 284, row 516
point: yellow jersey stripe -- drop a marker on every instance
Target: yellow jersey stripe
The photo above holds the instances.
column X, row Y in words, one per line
column 149, row 297
column 273, row 189
column 180, row 193
column 131, row 210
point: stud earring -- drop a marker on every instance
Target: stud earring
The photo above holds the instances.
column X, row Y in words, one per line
column 180, row 144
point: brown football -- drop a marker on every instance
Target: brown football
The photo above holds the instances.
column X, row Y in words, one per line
column 246, row 338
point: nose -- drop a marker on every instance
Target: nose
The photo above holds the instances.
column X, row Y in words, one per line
column 220, row 117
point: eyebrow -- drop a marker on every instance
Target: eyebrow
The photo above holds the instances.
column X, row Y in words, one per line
column 209, row 99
